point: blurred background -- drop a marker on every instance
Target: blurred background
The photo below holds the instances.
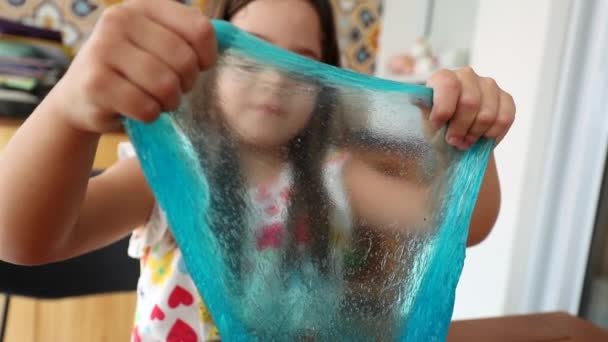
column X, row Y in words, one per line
column 549, row 248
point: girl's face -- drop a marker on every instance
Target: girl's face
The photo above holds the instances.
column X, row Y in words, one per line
column 260, row 106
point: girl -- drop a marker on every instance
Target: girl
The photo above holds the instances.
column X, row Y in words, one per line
column 142, row 56
column 262, row 135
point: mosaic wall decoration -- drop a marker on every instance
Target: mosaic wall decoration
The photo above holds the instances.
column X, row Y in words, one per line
column 74, row 18
column 358, row 23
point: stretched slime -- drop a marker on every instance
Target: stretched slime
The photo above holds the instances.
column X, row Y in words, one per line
column 370, row 241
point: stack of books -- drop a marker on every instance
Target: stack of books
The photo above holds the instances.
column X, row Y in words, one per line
column 32, row 60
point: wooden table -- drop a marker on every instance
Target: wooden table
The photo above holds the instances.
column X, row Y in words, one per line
column 546, row 327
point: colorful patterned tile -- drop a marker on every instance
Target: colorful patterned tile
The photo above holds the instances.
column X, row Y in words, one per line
column 358, row 29
column 83, row 14
column 50, row 14
column 16, row 9
column 358, row 23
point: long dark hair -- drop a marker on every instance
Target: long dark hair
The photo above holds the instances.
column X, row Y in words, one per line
column 306, row 153
column 226, row 9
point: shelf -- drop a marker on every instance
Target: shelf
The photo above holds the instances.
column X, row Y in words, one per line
column 106, row 150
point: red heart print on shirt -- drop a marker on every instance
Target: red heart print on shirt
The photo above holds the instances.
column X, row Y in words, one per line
column 181, row 332
column 270, row 236
column 157, row 313
column 179, row 296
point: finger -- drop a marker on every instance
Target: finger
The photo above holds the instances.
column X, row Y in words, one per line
column 488, row 110
column 167, row 46
column 147, row 72
column 186, row 22
column 124, row 97
column 505, row 118
column 446, row 90
column 466, row 109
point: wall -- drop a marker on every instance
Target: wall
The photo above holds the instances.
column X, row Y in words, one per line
column 452, row 27
column 358, row 24
column 515, row 43
column 75, row 19
column 399, row 30
column 453, row 24
column 573, row 164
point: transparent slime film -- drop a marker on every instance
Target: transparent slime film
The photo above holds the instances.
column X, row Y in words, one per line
column 310, row 202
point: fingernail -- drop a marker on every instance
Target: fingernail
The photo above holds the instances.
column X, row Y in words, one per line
column 454, row 141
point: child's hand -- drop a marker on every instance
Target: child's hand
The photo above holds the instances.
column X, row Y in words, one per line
column 471, row 105
column 141, row 57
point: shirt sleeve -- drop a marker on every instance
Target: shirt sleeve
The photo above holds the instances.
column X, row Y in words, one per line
column 156, row 228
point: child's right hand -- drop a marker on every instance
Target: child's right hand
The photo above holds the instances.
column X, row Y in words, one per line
column 140, row 58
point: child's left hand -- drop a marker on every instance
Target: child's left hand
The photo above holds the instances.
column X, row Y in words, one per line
column 471, row 105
